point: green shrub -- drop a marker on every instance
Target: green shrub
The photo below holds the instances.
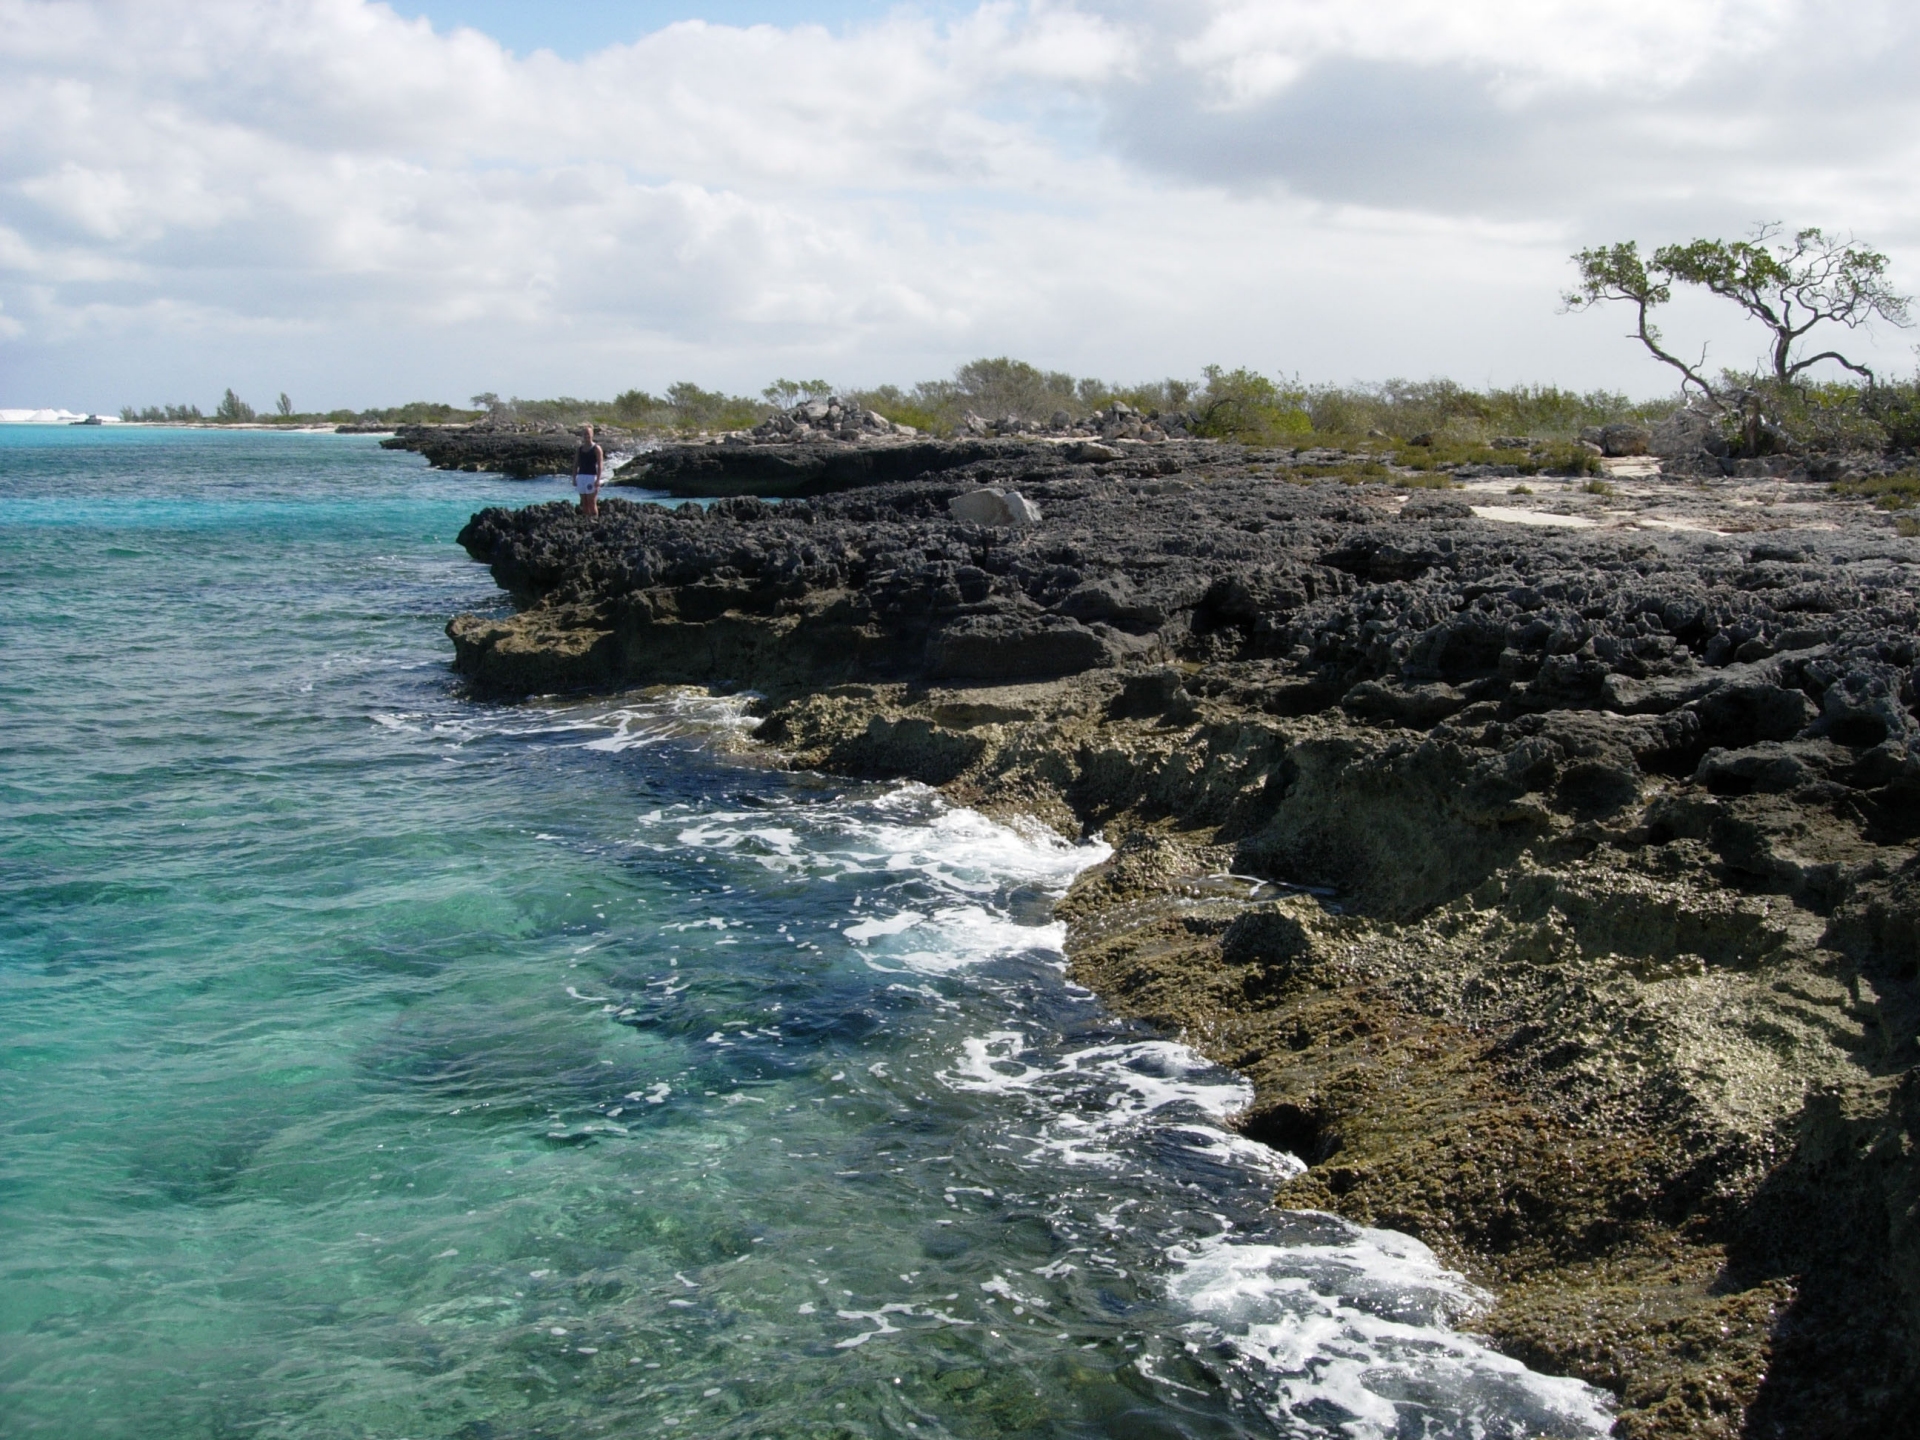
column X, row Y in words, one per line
column 639, row 409
column 1895, row 408
column 904, row 409
column 1888, row 492
column 1597, row 487
column 1165, row 396
column 684, row 408
column 1401, row 409
column 1246, row 406
column 417, row 412
column 1347, row 472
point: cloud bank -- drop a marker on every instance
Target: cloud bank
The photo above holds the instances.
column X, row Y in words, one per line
column 323, row 197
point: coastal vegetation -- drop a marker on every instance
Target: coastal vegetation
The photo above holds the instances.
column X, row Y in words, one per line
column 1233, row 404
column 232, row 410
column 1417, row 424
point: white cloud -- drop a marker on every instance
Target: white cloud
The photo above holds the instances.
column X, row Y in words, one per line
column 321, row 196
column 1255, row 47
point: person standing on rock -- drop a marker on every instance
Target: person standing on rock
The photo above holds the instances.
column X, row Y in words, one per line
column 589, row 465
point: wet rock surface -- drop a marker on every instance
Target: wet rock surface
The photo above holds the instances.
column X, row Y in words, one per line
column 1555, row 883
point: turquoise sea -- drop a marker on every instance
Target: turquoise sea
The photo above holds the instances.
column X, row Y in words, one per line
column 375, row 1063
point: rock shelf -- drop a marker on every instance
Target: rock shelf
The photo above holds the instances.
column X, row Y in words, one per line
column 1555, row 884
column 517, row 450
column 802, row 468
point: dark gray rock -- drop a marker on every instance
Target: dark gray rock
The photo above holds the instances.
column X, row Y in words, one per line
column 1015, row 647
column 806, row 469
column 1321, row 598
column 517, row 450
column 1623, row 440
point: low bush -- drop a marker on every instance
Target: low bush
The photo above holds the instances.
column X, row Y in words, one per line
column 904, row 409
column 1401, row 409
column 1244, row 405
column 1887, row 492
column 1354, row 472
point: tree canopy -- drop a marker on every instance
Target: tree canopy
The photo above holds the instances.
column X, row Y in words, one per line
column 1791, row 284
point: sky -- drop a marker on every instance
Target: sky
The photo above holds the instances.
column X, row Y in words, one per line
column 362, row 203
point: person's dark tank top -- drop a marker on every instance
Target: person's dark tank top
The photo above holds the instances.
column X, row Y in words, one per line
column 585, row 462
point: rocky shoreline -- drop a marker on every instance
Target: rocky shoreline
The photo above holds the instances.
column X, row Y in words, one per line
column 518, row 450
column 1546, row 859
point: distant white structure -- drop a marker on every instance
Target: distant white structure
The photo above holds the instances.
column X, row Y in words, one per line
column 50, row 417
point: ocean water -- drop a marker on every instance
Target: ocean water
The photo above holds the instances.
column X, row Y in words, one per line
column 374, row 1063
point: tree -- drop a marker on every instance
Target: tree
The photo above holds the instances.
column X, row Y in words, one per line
column 785, row 394
column 284, row 405
column 1790, row 285
column 1618, row 272
column 697, row 409
column 1004, row 386
column 232, row 409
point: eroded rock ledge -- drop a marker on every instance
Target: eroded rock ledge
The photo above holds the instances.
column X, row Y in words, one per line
column 1557, row 890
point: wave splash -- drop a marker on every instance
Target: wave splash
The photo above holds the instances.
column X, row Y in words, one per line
column 1319, row 1325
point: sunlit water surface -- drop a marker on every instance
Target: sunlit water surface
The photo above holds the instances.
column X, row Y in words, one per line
column 377, row 1063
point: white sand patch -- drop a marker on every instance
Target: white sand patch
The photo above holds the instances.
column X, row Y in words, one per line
column 1510, row 515
column 1655, row 522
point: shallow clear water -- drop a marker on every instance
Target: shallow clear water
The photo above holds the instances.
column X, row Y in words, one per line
column 380, row 1064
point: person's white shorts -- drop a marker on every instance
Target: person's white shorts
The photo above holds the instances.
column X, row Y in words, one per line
column 587, row 484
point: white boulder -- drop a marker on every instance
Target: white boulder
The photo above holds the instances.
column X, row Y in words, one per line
column 1000, row 508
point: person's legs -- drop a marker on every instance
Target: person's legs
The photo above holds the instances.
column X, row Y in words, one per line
column 590, row 502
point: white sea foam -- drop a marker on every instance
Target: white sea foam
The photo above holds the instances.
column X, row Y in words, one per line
column 938, row 878
column 892, row 925
column 681, row 714
column 1236, row 1152
column 675, row 715
column 1351, row 1334
column 951, row 938
column 1091, row 1102
column 1361, row 1330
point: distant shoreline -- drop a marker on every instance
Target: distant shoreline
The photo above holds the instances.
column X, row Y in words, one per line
column 251, row 426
